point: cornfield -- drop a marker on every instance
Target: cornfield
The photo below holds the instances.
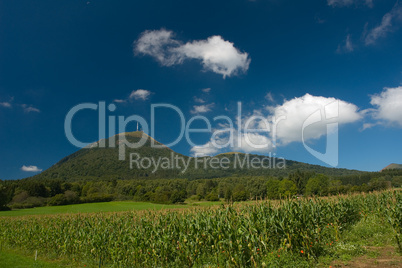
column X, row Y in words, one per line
column 231, row 235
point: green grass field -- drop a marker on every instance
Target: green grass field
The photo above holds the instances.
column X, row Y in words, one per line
column 100, row 207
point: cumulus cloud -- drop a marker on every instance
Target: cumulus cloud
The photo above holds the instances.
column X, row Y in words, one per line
column 160, row 45
column 346, row 46
column 140, row 94
column 30, row 168
column 206, row 90
column 388, row 106
column 388, row 24
column 279, row 125
column 215, row 53
column 291, row 115
column 197, row 109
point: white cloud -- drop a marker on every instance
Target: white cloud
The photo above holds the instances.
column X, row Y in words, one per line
column 119, row 101
column 282, row 124
column 388, row 105
column 140, row 94
column 344, row 3
column 346, row 46
column 206, row 90
column 29, row 109
column 387, row 25
column 5, row 104
column 197, row 109
column 216, row 54
column 245, row 142
column 160, row 45
column 30, row 168
column 297, row 110
column 199, row 100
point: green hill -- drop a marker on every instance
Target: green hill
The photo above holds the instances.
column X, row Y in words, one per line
column 103, row 163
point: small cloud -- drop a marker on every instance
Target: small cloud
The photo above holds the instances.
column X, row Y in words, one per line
column 207, row 149
column 31, row 168
column 387, row 25
column 119, row 101
column 5, row 104
column 346, row 46
column 340, row 3
column 346, row 3
column 197, row 109
column 369, row 3
column 199, row 100
column 29, row 109
column 206, row 90
column 140, row 94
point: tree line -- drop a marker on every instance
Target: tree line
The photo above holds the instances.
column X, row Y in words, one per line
column 28, row 193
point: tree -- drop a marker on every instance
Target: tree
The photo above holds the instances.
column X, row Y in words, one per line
column 228, row 194
column 335, row 187
column 287, row 188
column 317, row 185
column 396, row 181
column 3, row 197
column 240, row 193
column 178, row 196
column 273, row 188
column 300, row 179
column 377, row 184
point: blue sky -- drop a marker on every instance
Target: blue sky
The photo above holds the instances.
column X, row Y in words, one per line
column 275, row 57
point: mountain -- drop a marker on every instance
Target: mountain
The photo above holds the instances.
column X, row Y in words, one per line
column 94, row 162
column 393, row 166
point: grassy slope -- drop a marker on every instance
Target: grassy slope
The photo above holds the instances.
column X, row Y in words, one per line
column 98, row 207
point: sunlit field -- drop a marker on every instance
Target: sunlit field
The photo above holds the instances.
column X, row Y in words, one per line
column 302, row 232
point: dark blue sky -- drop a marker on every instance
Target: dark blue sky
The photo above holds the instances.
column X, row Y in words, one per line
column 57, row 54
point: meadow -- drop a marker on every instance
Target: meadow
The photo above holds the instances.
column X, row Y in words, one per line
column 292, row 233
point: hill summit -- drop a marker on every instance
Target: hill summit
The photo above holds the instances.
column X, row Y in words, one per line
column 392, row 166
